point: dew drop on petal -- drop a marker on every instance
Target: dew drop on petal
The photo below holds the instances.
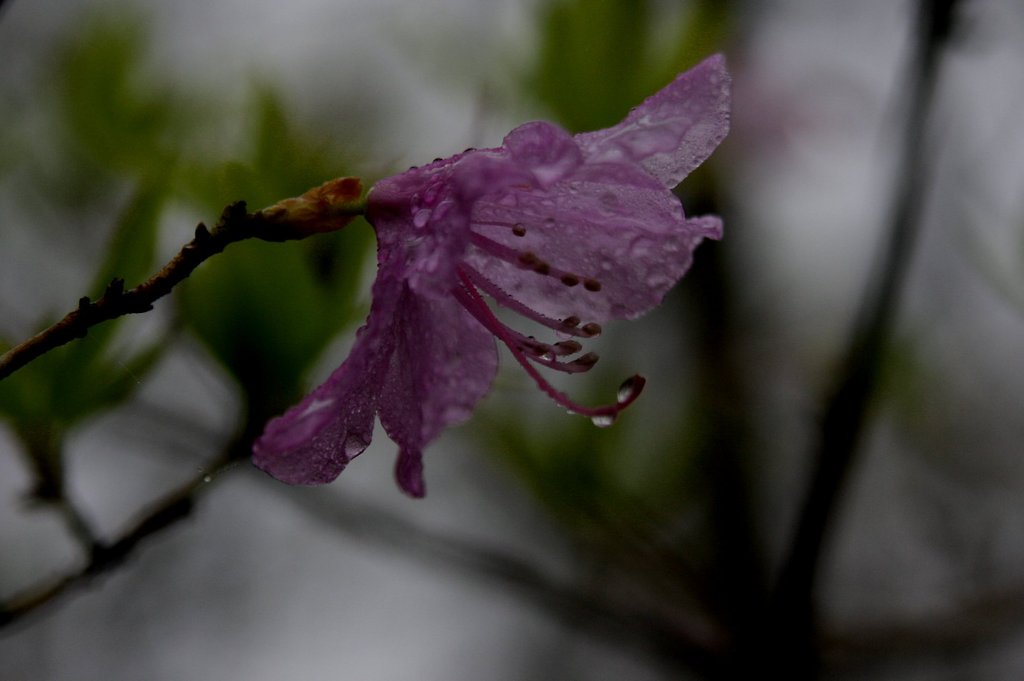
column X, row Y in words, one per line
column 626, row 391
column 420, row 219
column 354, row 445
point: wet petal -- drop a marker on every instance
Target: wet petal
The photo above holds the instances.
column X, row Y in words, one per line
column 674, row 130
column 549, row 152
column 421, row 217
column 314, row 440
column 443, row 363
column 611, row 224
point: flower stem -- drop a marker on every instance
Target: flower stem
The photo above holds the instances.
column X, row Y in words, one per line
column 845, row 413
column 235, row 224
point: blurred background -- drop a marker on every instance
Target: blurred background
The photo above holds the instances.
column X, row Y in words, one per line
column 546, row 548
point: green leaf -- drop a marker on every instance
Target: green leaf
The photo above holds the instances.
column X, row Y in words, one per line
column 599, row 58
column 82, row 378
column 266, row 311
column 131, row 252
column 117, row 115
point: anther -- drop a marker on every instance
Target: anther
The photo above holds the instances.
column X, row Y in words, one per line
column 592, row 284
column 591, row 329
column 571, row 322
column 570, row 279
column 568, row 347
column 519, row 230
column 541, row 349
column 529, row 260
column 585, row 361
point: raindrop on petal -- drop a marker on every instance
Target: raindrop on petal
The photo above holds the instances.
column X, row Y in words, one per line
column 627, row 391
column 422, row 216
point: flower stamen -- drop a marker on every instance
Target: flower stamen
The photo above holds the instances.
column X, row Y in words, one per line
column 570, row 325
column 604, row 415
column 531, row 261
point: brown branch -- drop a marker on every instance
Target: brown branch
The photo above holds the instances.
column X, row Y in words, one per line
column 234, row 225
column 680, row 641
column 105, row 557
column 321, row 209
column 793, row 641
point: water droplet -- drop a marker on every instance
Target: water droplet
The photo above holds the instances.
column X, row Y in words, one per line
column 626, row 390
column 207, row 478
column 354, row 445
column 658, row 280
column 602, row 420
column 630, row 389
column 420, row 219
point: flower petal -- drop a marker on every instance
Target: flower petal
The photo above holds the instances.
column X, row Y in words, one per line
column 674, row 130
column 546, row 150
column 314, row 440
column 611, row 224
column 421, row 216
column 443, row 364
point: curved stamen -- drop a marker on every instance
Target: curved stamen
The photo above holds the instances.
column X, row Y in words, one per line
column 569, row 326
column 547, row 354
column 531, row 261
column 469, row 298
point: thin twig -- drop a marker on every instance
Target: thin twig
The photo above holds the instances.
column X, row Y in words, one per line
column 234, row 225
column 846, row 410
column 105, row 557
column 321, row 209
column 684, row 643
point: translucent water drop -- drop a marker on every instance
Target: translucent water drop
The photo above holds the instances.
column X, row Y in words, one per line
column 602, row 420
column 354, row 445
column 207, row 478
column 626, row 390
column 421, row 217
column 609, row 201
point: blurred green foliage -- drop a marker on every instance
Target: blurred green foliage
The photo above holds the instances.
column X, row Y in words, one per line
column 631, row 498
column 115, row 113
column 111, row 132
column 51, row 395
column 598, row 58
column 265, row 311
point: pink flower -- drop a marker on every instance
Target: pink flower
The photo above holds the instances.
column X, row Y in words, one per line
column 565, row 231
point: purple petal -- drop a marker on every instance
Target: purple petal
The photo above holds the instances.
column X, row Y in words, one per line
column 314, row 440
column 674, row 130
column 549, row 152
column 421, row 217
column 609, row 223
column 443, row 363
